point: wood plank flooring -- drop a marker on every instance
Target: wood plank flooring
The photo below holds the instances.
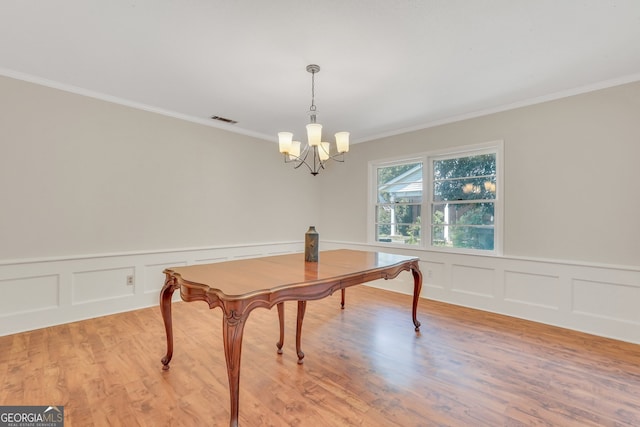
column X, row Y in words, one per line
column 364, row 366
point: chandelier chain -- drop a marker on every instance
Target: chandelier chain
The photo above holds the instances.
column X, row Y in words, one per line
column 313, row 91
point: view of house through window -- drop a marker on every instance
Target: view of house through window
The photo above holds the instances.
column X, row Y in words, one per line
column 456, row 208
column 399, row 203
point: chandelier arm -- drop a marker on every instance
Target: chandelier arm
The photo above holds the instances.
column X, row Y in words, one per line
column 302, row 160
column 295, row 158
column 317, row 163
column 287, row 158
column 308, row 167
column 338, row 157
column 302, row 163
column 315, row 158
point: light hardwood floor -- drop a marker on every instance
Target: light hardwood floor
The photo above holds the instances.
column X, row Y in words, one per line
column 364, row 366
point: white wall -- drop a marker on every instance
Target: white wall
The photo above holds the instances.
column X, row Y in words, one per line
column 572, row 236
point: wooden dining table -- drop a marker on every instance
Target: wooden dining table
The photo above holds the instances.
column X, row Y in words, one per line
column 240, row 286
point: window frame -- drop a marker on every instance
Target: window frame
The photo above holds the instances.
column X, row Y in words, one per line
column 427, row 159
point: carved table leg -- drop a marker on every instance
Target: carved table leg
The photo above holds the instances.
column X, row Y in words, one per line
column 232, row 330
column 165, row 307
column 342, row 299
column 417, row 287
column 280, row 343
column 302, row 305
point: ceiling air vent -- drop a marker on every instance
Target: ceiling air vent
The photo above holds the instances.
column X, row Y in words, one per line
column 224, row 119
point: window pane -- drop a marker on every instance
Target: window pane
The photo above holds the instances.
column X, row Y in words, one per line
column 439, row 235
column 465, row 189
column 408, row 234
column 463, row 225
column 398, row 223
column 383, row 214
column 396, row 213
column 461, row 217
column 465, row 178
column 463, row 214
column 462, row 167
column 411, row 233
column 389, row 174
column 383, row 233
column 401, row 183
column 469, row 237
column 398, row 203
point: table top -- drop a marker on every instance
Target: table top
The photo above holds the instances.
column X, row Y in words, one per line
column 272, row 273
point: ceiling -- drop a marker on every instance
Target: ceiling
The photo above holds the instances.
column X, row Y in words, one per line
column 387, row 66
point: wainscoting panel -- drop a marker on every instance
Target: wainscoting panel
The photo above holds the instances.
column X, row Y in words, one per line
column 211, row 260
column 433, row 274
column 154, row 277
column 45, row 292
column 36, row 294
column 532, row 289
column 97, row 285
column 473, row 280
column 597, row 299
column 614, row 301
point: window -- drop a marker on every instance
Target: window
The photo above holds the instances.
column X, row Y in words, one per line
column 458, row 209
column 399, row 203
column 463, row 201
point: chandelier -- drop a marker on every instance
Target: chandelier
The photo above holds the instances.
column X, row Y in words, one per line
column 316, row 153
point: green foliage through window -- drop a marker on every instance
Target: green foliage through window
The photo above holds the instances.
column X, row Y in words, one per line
column 455, row 209
column 463, row 202
column 399, row 203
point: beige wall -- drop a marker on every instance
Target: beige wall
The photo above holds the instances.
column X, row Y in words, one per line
column 83, row 176
column 571, row 176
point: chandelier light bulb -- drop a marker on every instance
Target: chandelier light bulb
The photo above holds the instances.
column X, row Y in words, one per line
column 284, row 141
column 295, row 150
column 342, row 142
column 323, row 151
column 314, row 134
